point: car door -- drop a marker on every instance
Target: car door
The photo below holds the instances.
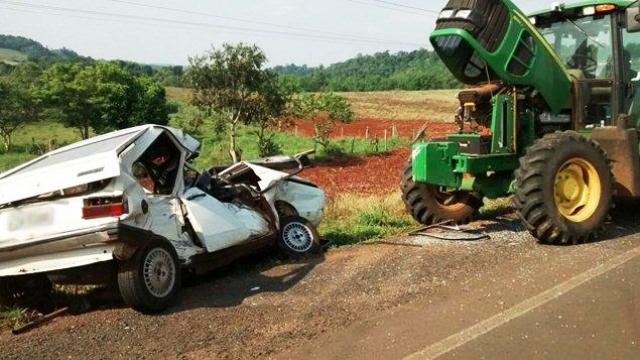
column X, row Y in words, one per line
column 218, row 224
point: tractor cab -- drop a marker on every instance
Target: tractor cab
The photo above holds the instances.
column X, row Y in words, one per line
column 601, row 53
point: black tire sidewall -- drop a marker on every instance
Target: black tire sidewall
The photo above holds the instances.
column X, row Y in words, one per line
column 420, row 201
column 150, row 303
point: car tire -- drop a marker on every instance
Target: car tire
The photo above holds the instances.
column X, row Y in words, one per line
column 298, row 237
column 149, row 282
column 25, row 289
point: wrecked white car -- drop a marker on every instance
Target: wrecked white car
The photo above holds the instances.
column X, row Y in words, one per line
column 129, row 207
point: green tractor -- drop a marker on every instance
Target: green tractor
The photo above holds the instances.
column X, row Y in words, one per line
column 549, row 115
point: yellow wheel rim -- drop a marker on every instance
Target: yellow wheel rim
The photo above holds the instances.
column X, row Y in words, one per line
column 577, row 190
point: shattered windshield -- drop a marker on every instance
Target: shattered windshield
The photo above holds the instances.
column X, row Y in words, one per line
column 583, row 44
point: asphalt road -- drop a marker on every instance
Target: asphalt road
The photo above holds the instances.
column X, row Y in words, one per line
column 582, row 302
column 597, row 320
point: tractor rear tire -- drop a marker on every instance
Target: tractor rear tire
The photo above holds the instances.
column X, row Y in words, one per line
column 563, row 188
column 429, row 205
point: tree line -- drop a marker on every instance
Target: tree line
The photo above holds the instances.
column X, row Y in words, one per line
column 230, row 83
column 99, row 96
column 169, row 75
column 414, row 70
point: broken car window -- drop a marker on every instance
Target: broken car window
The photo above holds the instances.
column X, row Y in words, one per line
column 160, row 162
column 142, row 176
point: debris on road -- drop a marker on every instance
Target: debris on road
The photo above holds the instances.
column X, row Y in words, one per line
column 443, row 231
column 39, row 321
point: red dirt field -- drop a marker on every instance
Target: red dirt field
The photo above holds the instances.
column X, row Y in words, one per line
column 358, row 128
column 375, row 174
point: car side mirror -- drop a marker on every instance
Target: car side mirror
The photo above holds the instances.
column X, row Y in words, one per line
column 633, row 19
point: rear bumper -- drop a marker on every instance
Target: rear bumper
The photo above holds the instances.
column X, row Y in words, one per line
column 72, row 250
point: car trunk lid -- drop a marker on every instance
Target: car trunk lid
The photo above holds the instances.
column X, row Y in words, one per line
column 82, row 163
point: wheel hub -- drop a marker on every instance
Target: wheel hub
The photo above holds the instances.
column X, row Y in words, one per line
column 577, row 190
column 297, row 237
column 159, row 272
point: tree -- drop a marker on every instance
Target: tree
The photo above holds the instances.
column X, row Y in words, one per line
column 102, row 96
column 233, row 82
column 189, row 118
column 323, row 111
column 18, row 105
column 267, row 110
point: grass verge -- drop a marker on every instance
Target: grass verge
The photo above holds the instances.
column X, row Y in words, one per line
column 352, row 218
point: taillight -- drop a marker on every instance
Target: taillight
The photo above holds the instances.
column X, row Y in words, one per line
column 104, row 207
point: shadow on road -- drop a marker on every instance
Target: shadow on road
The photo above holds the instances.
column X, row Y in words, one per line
column 224, row 287
column 230, row 286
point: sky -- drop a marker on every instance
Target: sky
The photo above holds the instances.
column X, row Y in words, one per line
column 311, row 32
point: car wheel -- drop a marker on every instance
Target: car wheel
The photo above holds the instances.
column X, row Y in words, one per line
column 150, row 280
column 298, row 237
column 25, row 289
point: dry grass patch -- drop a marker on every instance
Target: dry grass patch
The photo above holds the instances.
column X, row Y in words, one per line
column 435, row 105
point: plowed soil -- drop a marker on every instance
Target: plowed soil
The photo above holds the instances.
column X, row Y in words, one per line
column 374, row 174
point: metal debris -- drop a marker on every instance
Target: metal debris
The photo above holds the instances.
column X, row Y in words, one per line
column 442, row 231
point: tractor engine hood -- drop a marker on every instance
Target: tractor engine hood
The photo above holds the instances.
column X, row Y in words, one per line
column 482, row 40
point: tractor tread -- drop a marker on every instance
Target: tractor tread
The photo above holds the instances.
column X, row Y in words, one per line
column 535, row 206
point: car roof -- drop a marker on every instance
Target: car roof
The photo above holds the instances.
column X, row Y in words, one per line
column 124, row 137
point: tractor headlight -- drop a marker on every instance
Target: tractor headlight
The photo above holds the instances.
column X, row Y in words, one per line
column 446, row 13
column 464, row 14
column 589, row 10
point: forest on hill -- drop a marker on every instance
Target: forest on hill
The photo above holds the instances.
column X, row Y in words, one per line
column 414, row 70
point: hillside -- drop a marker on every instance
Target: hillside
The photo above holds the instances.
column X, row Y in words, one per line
column 19, row 48
column 12, row 57
column 415, row 70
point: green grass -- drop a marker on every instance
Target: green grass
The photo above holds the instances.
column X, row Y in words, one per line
column 215, row 147
column 33, row 139
column 13, row 317
column 12, row 56
column 352, row 218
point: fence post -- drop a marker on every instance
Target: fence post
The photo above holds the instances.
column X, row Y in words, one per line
column 295, row 130
column 366, row 133
column 342, row 131
column 385, row 139
column 353, row 144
